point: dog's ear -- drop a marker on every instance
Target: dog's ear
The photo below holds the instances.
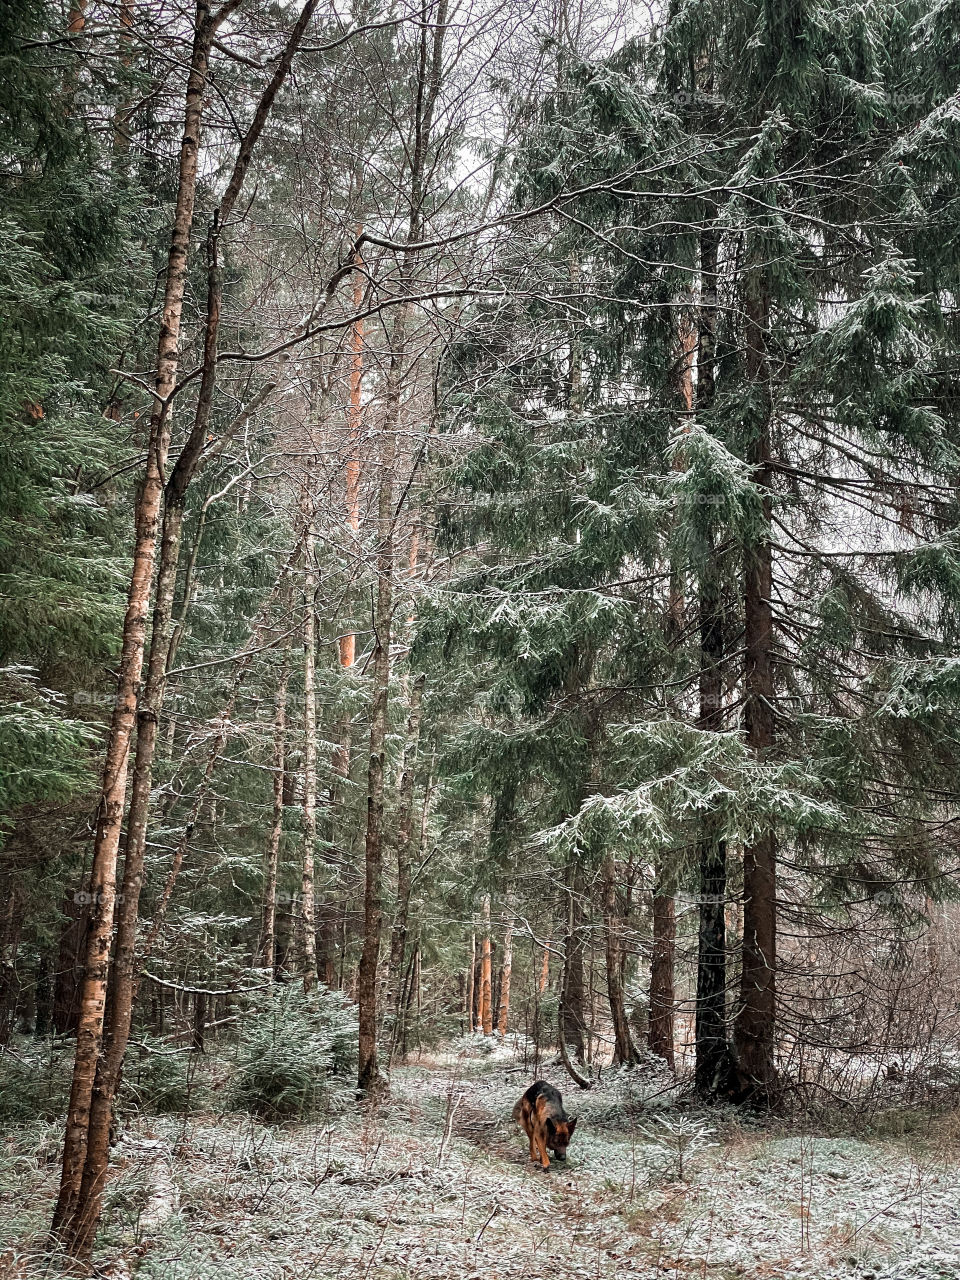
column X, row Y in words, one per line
column 572, row 1123
column 551, row 1127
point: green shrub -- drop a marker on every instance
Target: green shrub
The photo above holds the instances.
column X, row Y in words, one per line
column 156, row 1079
column 297, row 1054
column 35, row 1081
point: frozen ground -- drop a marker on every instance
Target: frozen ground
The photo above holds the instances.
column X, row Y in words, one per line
column 438, row 1184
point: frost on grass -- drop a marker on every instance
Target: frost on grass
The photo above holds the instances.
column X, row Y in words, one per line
column 437, row 1184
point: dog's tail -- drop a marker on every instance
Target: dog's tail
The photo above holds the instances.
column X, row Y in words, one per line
column 518, row 1111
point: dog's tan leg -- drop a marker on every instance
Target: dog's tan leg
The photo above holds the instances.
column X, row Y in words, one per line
column 542, row 1143
column 528, row 1130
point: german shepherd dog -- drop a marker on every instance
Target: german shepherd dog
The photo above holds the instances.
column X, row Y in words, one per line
column 541, row 1113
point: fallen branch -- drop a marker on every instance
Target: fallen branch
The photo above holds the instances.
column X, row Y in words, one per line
column 448, row 1127
column 565, row 1058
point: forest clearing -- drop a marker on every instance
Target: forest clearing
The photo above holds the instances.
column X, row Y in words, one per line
column 437, row 1184
column 480, row 622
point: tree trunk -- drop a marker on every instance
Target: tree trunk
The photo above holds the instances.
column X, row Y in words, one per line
column 96, row 1078
column 572, row 984
column 268, row 927
column 10, row 928
column 332, row 910
column 712, row 1060
column 660, row 1027
column 78, row 1238
column 469, row 1001
column 348, row 642
column 284, row 958
column 121, row 112
column 712, row 1051
column 660, row 1030
column 477, row 1006
column 113, row 794
column 430, row 69
column 506, row 970
column 308, row 921
column 623, row 1051
column 398, row 937
column 368, row 1076
column 583, row 1081
column 486, row 971
column 755, row 1024
column 413, row 994
column 199, row 1021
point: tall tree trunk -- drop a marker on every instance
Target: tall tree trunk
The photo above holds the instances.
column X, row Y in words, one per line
column 413, row 994
column 91, row 1102
column 660, row 1028
column 755, row 1025
column 469, row 993
column 285, row 956
column 308, row 923
column 572, row 1011
column 121, row 112
column 398, row 937
column 712, row 1059
column 661, row 1036
column 103, row 874
column 123, row 974
column 368, row 1076
column 712, row 1053
column 430, row 69
column 328, row 919
column 477, row 1006
column 348, row 642
column 84, row 1202
column 332, row 911
column 506, row 970
column 10, row 930
column 268, row 927
column 623, row 1050
column 486, row 970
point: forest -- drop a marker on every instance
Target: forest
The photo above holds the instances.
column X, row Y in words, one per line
column 479, row 601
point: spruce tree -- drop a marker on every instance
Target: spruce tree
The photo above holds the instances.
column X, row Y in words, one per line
column 763, row 192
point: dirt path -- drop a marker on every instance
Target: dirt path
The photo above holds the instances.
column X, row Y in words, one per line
column 519, row 1220
column 581, row 1217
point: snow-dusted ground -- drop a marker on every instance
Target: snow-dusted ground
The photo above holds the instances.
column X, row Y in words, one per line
column 437, row 1184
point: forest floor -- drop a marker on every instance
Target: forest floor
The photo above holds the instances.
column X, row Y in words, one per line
column 437, row 1184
